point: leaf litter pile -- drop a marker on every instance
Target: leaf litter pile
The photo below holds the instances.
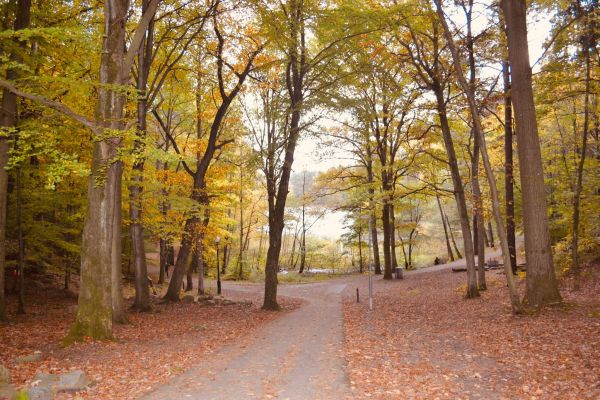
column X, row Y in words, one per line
column 424, row 340
column 147, row 352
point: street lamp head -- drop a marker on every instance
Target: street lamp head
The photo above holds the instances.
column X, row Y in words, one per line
column 217, row 239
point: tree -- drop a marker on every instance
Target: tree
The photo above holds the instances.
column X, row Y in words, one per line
column 204, row 158
column 478, row 130
column 542, row 287
column 425, row 54
column 8, row 119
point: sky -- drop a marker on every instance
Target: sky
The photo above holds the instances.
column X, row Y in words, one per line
column 306, row 157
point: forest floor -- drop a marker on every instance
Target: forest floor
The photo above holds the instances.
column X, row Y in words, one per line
column 424, row 340
column 297, row 356
column 147, row 352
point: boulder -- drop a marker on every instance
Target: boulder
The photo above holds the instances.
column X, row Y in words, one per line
column 72, row 381
column 4, row 375
column 41, row 393
column 44, row 380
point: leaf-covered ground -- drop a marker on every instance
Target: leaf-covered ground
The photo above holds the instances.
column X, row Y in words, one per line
column 148, row 351
column 424, row 341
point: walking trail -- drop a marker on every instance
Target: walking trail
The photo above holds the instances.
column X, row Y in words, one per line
column 297, row 356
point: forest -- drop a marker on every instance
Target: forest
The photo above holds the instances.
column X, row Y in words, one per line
column 161, row 153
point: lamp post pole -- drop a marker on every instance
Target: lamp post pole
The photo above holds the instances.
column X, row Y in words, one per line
column 217, row 240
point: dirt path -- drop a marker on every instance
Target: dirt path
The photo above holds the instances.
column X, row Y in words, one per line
column 297, row 356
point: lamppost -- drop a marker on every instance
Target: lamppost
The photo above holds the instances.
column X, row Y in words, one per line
column 217, row 240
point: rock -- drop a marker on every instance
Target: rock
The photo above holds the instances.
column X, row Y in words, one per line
column 41, row 379
column 30, row 358
column 4, row 375
column 209, row 302
column 41, row 393
column 188, row 298
column 227, row 302
column 7, row 391
column 72, row 381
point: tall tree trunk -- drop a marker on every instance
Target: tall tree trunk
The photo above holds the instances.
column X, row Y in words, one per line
column 21, row 261
column 478, row 130
column 303, row 237
column 580, row 166
column 295, row 73
column 393, row 237
column 478, row 227
column 163, row 258
column 100, row 259
column 406, row 260
column 459, row 192
column 373, row 218
column 118, row 307
column 448, row 247
column 136, row 228
column 199, row 254
column 491, row 233
column 8, row 118
column 508, row 169
column 385, row 222
column 542, row 287
column 272, row 265
column 458, row 255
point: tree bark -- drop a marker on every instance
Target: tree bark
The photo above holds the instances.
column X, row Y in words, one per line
column 478, row 130
column 580, row 166
column 295, row 74
column 21, row 261
column 393, row 237
column 459, row 193
column 118, row 308
column 136, row 228
column 99, row 257
column 508, row 169
column 385, row 222
column 448, row 247
column 373, row 216
column 541, row 282
column 458, row 255
column 8, row 119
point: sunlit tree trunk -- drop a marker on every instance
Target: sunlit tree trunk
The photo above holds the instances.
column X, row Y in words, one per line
column 459, row 193
column 542, row 287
